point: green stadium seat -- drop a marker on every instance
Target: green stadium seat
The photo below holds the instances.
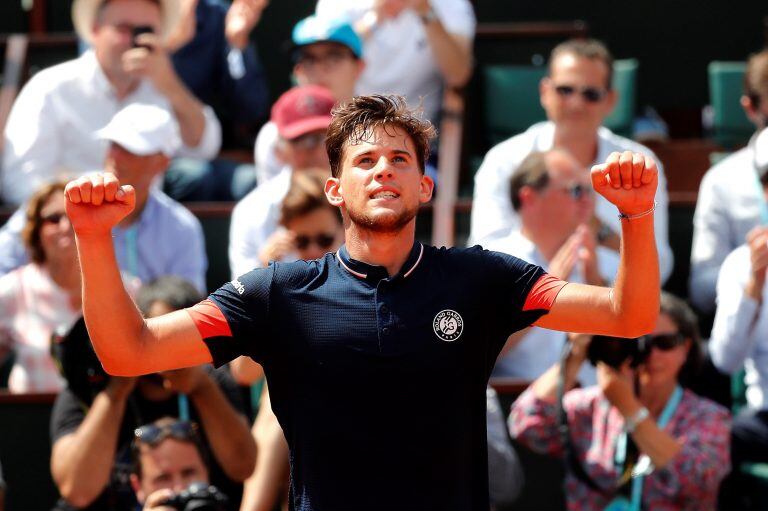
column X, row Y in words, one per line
column 730, row 124
column 625, row 83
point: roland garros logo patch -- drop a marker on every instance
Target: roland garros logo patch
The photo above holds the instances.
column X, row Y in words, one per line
column 448, row 325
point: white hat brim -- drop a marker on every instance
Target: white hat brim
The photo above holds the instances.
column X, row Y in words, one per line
column 84, row 15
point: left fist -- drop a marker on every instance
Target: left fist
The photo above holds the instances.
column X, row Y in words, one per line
column 628, row 180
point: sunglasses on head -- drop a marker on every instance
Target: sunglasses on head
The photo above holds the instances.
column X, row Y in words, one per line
column 664, row 342
column 152, row 434
column 590, row 94
column 324, row 241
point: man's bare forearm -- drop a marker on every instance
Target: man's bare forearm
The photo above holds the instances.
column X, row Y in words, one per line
column 452, row 54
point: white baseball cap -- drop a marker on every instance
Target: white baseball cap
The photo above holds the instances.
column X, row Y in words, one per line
column 143, row 130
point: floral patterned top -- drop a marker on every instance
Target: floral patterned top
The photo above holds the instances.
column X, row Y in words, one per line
column 690, row 481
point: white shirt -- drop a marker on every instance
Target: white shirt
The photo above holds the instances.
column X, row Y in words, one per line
column 254, row 219
column 740, row 331
column 728, row 207
column 398, row 58
column 540, row 348
column 51, row 130
column 492, row 213
column 268, row 165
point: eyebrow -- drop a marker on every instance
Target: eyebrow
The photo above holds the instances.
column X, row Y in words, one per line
column 394, row 151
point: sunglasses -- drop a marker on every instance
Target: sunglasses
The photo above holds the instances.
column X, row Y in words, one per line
column 324, row 241
column 664, row 342
column 577, row 191
column 590, row 94
column 53, row 218
column 152, row 434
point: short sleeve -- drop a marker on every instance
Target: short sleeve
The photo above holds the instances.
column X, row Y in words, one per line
column 233, row 321
column 67, row 415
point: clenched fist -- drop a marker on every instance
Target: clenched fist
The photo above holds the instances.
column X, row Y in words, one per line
column 627, row 180
column 97, row 203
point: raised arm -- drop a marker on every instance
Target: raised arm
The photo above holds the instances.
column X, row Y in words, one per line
column 629, row 309
column 125, row 343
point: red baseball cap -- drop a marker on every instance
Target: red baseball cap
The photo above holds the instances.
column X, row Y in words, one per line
column 302, row 110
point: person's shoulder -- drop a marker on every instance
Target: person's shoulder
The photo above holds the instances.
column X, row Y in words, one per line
column 175, row 211
column 475, row 258
column 734, row 165
column 618, row 143
column 737, row 260
column 704, row 409
column 301, row 272
column 59, row 77
column 265, row 194
column 517, row 146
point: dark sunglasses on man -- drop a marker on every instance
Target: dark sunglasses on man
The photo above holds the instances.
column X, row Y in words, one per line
column 152, row 434
column 324, row 241
column 577, row 191
column 589, row 94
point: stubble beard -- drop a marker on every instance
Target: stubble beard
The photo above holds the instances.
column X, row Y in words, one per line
column 389, row 223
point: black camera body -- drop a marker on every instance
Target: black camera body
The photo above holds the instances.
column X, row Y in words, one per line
column 137, row 31
column 198, row 497
column 614, row 351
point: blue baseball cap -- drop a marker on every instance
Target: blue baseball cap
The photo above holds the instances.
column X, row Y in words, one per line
column 315, row 29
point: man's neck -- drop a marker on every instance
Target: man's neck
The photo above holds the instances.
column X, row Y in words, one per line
column 545, row 241
column 582, row 145
column 390, row 250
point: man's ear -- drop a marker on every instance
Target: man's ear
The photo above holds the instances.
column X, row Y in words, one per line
column 333, row 192
column 136, row 485
column 426, row 187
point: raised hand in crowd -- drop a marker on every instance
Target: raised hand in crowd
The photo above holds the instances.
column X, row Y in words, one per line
column 580, row 249
column 149, row 59
column 617, row 386
column 156, row 500
column 242, row 17
column 185, row 381
column 757, row 239
column 277, row 246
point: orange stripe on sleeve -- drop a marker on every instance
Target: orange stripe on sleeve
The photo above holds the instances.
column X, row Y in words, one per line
column 543, row 293
column 209, row 320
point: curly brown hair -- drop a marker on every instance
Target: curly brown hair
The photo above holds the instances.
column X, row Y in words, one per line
column 31, row 232
column 355, row 121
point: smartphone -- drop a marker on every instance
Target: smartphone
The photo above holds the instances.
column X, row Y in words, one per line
column 137, row 31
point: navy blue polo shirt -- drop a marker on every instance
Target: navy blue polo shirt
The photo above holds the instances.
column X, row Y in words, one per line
column 378, row 382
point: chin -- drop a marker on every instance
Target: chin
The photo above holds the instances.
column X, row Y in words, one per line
column 383, row 221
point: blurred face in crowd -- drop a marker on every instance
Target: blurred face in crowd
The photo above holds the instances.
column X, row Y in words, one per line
column 135, row 170
column 316, row 233
column 171, row 464
column 381, row 185
column 566, row 201
column 331, row 65
column 112, row 32
column 306, row 151
column 663, row 366
column 575, row 95
column 56, row 234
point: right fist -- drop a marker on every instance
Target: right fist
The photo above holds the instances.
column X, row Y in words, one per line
column 97, row 203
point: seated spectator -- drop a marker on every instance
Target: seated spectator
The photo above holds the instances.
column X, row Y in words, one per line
column 42, row 296
column 730, row 203
column 738, row 343
column 327, row 53
column 413, row 49
column 662, row 448
column 553, row 197
column 577, row 97
column 302, row 116
column 90, row 459
column 160, row 237
column 168, row 456
column 215, row 58
column 52, row 125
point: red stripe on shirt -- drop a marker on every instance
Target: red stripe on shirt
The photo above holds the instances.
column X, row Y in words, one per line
column 543, row 293
column 209, row 320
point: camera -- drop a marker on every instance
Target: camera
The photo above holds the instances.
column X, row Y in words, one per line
column 198, row 497
column 78, row 363
column 137, row 31
column 614, row 351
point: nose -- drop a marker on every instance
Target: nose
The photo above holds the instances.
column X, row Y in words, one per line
column 383, row 169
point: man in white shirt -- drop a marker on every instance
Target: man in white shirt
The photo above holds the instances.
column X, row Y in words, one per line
column 411, row 47
column 731, row 200
column 577, row 97
column 302, row 116
column 51, row 130
column 553, row 197
column 327, row 53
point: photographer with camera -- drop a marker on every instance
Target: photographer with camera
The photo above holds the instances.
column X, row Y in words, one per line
column 638, row 439
column 170, row 470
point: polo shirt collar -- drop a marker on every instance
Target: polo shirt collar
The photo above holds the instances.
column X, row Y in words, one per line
column 375, row 273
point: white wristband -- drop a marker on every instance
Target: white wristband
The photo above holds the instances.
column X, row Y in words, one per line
column 630, row 423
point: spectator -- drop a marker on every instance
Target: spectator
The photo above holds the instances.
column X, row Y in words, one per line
column 216, row 60
column 577, row 97
column 168, row 456
column 90, row 460
column 53, row 122
column 738, row 343
column 412, row 48
column 731, row 201
column 552, row 195
column 302, row 116
column 41, row 297
column 327, row 53
column 505, row 474
column 681, row 438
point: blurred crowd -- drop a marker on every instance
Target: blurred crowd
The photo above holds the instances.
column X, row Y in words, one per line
column 160, row 83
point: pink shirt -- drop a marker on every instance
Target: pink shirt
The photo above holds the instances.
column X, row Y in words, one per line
column 32, row 307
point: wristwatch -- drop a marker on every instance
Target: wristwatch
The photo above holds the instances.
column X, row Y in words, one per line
column 429, row 16
column 630, row 423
